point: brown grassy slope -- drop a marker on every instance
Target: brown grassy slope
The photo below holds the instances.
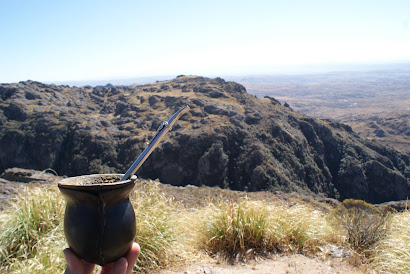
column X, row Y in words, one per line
column 32, row 235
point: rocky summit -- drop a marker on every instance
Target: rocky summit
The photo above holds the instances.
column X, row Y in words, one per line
column 229, row 139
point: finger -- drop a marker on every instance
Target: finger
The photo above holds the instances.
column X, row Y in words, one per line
column 132, row 256
column 120, row 266
column 75, row 264
column 88, row 267
column 124, row 264
column 106, row 269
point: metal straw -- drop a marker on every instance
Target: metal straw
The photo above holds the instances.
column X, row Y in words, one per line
column 161, row 132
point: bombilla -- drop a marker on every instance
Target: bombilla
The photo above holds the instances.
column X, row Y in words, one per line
column 161, row 132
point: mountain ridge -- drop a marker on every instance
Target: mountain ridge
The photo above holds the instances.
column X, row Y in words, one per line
column 229, row 139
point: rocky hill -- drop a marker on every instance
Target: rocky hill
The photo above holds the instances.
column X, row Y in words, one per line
column 229, row 139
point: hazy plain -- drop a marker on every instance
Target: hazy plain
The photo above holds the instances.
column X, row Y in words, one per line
column 376, row 104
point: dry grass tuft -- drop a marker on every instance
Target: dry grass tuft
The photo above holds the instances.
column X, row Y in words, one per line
column 157, row 228
column 28, row 226
column 48, row 257
column 240, row 230
column 301, row 229
column 232, row 229
column 392, row 253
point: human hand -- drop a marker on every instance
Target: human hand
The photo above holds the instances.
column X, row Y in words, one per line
column 123, row 265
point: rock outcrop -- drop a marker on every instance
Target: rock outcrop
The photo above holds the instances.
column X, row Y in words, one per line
column 228, row 139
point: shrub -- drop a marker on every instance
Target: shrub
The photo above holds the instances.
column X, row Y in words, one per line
column 362, row 222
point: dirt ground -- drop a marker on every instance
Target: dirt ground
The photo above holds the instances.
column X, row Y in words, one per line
column 277, row 264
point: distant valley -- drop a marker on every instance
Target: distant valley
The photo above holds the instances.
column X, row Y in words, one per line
column 376, row 104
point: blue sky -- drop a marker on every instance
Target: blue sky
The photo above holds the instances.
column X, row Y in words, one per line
column 80, row 40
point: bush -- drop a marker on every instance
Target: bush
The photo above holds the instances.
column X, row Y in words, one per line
column 362, row 222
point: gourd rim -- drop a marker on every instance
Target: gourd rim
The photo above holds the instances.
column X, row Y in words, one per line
column 95, row 181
